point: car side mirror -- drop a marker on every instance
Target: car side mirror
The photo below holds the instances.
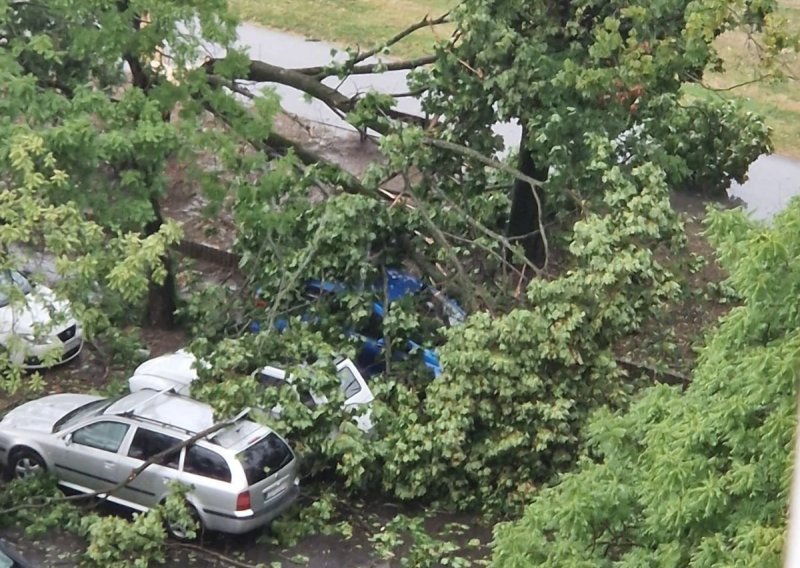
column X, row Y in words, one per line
column 68, row 439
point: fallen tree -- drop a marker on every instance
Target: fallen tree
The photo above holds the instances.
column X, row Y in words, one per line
column 558, row 257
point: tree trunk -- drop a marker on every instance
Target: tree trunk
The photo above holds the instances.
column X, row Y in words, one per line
column 161, row 298
column 523, row 219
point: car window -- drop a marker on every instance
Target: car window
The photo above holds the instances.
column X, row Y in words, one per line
column 374, row 326
column 12, row 279
column 147, row 443
column 202, row 461
column 264, row 458
column 270, row 382
column 349, row 382
column 101, row 435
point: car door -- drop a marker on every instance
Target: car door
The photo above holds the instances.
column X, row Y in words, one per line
column 209, row 475
column 88, row 459
column 152, row 484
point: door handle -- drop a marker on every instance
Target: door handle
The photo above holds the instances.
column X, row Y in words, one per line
column 109, row 465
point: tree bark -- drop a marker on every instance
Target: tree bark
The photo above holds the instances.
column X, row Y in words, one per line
column 161, row 298
column 523, row 218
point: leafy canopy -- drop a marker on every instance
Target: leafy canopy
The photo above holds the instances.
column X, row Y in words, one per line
column 698, row 478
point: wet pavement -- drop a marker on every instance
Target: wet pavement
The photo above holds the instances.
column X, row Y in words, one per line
column 772, row 182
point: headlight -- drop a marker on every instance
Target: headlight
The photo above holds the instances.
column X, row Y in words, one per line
column 36, row 339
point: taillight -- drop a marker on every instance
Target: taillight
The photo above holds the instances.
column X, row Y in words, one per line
column 243, row 501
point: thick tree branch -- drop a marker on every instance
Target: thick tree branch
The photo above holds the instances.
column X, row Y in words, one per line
column 275, row 141
column 262, row 72
column 323, row 71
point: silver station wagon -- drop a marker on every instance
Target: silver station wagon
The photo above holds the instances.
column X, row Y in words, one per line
column 241, row 477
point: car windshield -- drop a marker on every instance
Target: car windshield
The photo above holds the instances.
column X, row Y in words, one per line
column 94, row 408
column 12, row 279
column 264, row 458
column 349, row 382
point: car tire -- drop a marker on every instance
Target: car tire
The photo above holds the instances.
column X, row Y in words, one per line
column 179, row 533
column 25, row 463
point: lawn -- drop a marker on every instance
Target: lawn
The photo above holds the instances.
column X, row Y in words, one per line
column 359, row 23
column 365, row 23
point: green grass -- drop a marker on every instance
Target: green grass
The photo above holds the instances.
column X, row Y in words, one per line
column 361, row 23
column 777, row 102
column 367, row 23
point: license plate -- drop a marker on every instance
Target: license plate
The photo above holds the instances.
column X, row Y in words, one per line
column 274, row 492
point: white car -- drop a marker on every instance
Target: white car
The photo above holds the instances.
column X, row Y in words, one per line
column 177, row 370
column 34, row 323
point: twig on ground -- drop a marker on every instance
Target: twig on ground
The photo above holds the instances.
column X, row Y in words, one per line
column 227, row 560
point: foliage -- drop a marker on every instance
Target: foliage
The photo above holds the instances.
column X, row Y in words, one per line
column 90, row 265
column 86, row 153
column 39, row 505
column 115, row 541
column 140, row 542
column 318, row 517
column 39, row 514
column 508, row 411
column 699, row 478
column 80, row 78
column 707, row 145
column 566, row 69
column 320, row 434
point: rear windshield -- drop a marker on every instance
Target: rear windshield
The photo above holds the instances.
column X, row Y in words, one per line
column 350, row 385
column 264, row 458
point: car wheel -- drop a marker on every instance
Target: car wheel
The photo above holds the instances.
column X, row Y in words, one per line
column 180, row 531
column 26, row 463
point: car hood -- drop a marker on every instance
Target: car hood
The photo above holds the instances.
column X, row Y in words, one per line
column 40, row 415
column 37, row 311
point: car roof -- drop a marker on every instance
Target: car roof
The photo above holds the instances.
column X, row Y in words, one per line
column 398, row 283
column 240, row 435
column 168, row 409
column 177, row 412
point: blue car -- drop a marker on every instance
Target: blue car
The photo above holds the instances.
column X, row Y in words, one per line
column 399, row 284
